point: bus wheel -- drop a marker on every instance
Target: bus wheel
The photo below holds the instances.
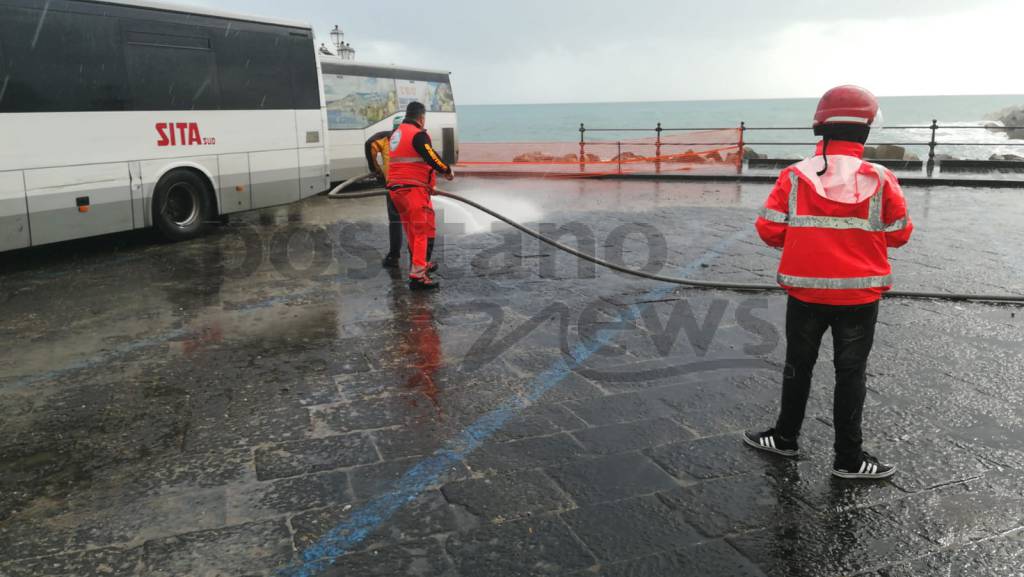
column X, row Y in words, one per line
column 181, row 205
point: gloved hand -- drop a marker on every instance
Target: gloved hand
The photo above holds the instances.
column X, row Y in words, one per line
column 450, row 176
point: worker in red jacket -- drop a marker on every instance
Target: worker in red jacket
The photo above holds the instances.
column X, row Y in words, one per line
column 834, row 216
column 411, row 180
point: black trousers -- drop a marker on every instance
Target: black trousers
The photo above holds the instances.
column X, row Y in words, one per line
column 395, row 232
column 853, row 333
column 394, row 229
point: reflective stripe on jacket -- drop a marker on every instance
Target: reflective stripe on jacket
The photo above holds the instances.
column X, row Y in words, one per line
column 835, row 230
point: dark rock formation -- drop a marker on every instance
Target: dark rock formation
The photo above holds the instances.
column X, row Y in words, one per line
column 1013, row 117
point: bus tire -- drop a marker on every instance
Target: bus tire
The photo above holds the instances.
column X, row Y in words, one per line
column 182, row 205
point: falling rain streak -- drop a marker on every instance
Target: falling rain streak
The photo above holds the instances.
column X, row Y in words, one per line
column 201, row 89
column 39, row 25
column 3, row 88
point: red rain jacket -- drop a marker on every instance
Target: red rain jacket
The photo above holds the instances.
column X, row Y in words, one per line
column 835, row 230
column 413, row 161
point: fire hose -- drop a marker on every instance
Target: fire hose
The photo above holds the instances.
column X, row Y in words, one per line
column 337, row 193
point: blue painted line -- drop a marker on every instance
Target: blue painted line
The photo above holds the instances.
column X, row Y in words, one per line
column 362, row 522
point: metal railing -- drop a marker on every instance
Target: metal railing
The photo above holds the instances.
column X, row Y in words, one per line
column 932, row 143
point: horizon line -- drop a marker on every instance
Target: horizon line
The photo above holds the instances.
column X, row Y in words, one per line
column 719, row 100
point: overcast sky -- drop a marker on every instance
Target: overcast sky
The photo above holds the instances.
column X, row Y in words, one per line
column 524, row 51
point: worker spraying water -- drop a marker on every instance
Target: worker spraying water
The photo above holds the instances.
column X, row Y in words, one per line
column 412, row 176
column 834, row 216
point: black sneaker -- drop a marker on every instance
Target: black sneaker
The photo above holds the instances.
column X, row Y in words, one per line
column 423, row 284
column 772, row 442
column 390, row 262
column 867, row 467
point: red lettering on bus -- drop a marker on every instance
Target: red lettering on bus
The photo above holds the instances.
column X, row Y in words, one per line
column 181, row 134
column 193, row 134
column 161, row 129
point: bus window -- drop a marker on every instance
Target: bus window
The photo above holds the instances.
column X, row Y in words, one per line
column 358, row 101
column 171, row 72
column 56, row 61
column 305, row 88
column 252, row 65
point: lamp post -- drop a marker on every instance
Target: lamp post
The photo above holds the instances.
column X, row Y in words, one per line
column 344, row 49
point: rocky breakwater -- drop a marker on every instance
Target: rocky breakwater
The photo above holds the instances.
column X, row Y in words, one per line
column 880, row 152
column 1012, row 117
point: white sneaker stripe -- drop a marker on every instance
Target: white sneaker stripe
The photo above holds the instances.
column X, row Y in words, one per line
column 772, row 441
column 863, row 466
column 763, row 441
column 874, row 468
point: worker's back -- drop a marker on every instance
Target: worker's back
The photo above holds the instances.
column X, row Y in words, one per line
column 407, row 166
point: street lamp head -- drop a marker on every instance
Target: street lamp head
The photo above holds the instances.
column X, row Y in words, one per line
column 343, row 49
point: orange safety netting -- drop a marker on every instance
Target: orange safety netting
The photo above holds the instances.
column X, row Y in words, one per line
column 704, row 151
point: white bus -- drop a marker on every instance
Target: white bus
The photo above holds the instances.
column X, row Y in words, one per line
column 118, row 115
column 363, row 99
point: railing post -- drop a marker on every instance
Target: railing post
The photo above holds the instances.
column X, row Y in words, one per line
column 931, row 148
column 739, row 162
column 583, row 162
column 619, row 143
column 657, row 150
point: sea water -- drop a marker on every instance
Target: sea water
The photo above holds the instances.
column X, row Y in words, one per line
column 561, row 122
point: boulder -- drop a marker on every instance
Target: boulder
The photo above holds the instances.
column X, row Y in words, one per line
column 568, row 158
column 625, row 156
column 749, row 153
column 1013, row 116
column 534, row 156
column 593, row 158
column 911, row 156
column 870, row 152
column 687, row 157
column 713, row 157
column 1008, row 157
column 889, row 152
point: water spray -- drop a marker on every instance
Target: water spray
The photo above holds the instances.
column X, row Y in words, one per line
column 337, row 193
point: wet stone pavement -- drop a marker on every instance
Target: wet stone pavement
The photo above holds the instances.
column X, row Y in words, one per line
column 267, row 401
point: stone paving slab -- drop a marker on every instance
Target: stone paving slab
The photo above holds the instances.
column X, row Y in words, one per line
column 630, row 528
column 314, row 455
column 221, row 422
column 611, row 478
column 241, row 550
column 508, row 497
column 540, row 546
column 425, row 558
column 710, row 559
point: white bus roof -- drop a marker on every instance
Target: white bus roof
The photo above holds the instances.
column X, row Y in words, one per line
column 354, row 63
column 191, row 9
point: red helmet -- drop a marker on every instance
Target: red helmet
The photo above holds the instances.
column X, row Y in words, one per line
column 847, row 104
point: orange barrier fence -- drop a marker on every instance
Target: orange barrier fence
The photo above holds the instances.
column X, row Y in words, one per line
column 704, row 151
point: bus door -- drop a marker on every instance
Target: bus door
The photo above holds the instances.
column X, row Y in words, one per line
column 311, row 133
column 14, row 231
column 313, row 166
column 77, row 201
